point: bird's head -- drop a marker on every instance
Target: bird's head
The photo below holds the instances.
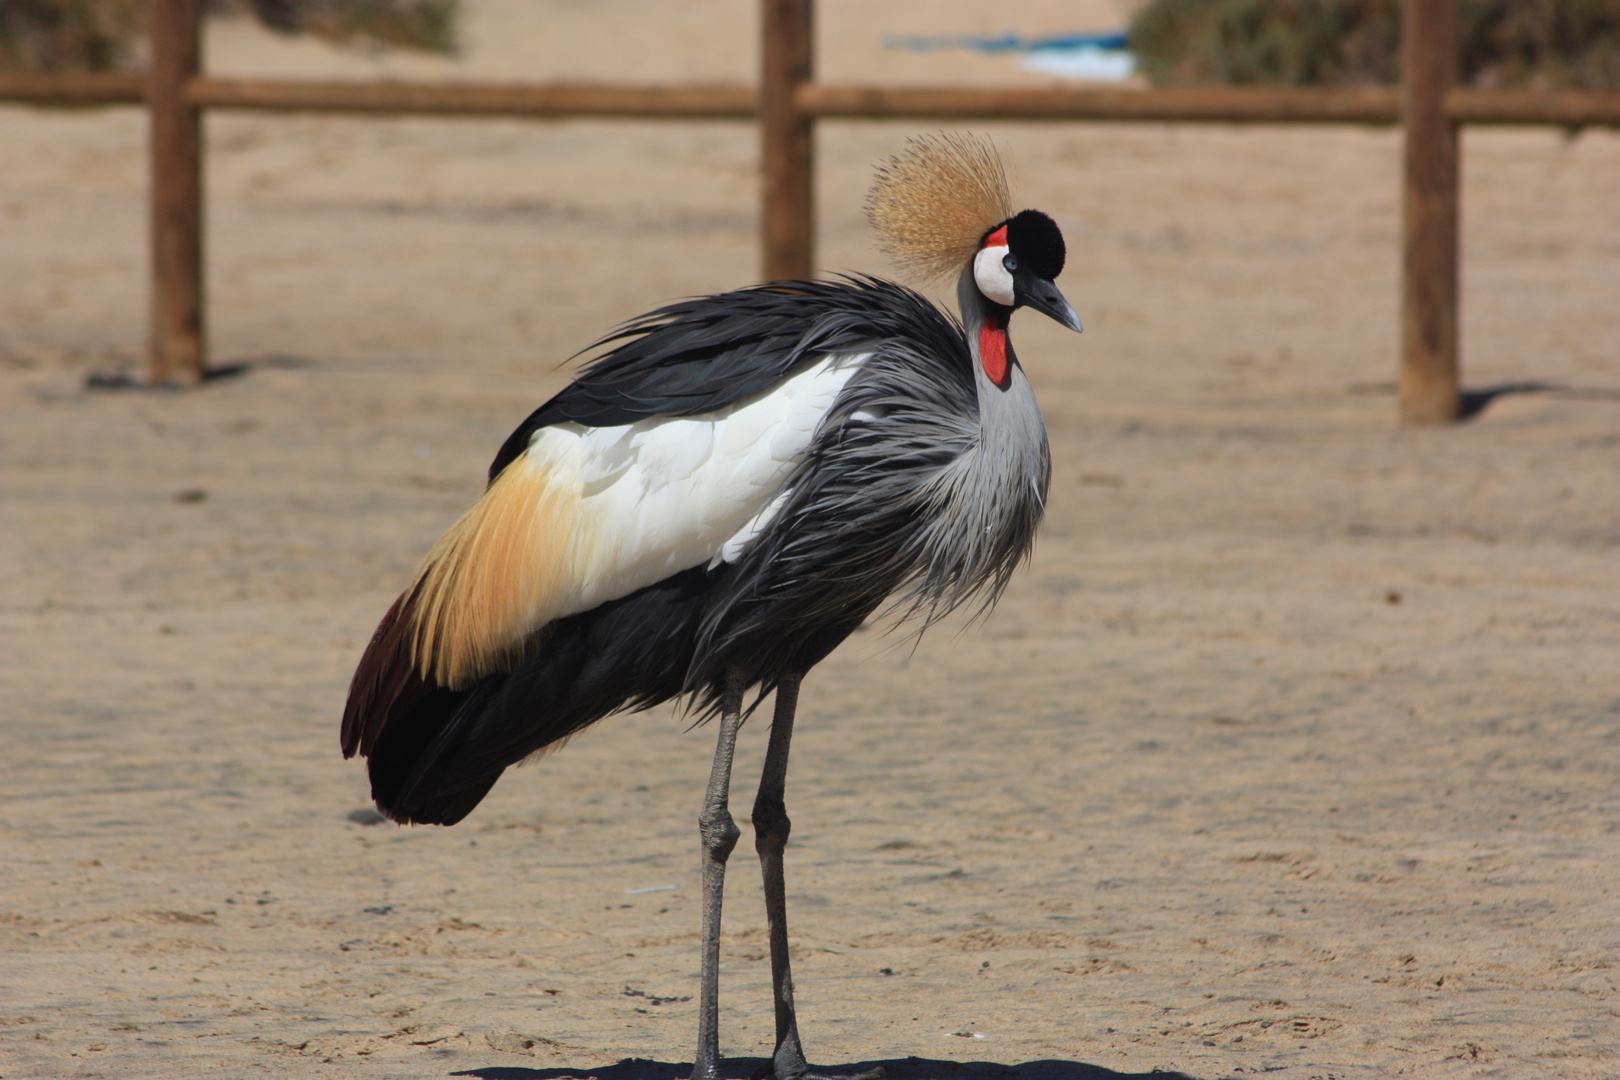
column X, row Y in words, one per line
column 942, row 207
column 1017, row 265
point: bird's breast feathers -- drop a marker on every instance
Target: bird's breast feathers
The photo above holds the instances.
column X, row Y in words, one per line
column 587, row 515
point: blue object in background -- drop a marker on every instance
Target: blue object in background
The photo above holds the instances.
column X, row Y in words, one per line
column 1008, row 42
column 1099, row 55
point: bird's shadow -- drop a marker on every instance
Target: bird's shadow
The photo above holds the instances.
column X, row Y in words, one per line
column 911, row 1068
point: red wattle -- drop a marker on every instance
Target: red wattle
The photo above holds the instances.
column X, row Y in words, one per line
column 993, row 351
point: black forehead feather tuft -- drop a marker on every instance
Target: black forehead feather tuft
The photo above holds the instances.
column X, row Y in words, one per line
column 1037, row 241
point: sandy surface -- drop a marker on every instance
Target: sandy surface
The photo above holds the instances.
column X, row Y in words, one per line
column 1293, row 751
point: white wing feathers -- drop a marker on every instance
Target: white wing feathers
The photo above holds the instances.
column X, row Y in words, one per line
column 663, row 495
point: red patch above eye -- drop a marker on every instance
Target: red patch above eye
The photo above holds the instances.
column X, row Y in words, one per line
column 996, row 239
column 993, row 351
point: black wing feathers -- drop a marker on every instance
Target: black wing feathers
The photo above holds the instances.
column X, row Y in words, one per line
column 705, row 353
column 439, row 756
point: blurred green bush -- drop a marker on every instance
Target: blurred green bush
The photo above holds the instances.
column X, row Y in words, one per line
column 414, row 24
column 1539, row 44
column 69, row 35
column 107, row 35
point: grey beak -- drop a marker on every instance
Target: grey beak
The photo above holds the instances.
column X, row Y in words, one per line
column 1043, row 296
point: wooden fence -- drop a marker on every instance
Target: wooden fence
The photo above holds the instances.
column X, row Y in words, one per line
column 787, row 103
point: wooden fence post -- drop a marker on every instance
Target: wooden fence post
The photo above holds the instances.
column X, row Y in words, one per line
column 1429, row 378
column 176, row 196
column 788, row 151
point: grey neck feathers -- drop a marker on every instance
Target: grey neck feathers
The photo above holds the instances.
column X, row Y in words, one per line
column 1009, row 419
column 994, row 492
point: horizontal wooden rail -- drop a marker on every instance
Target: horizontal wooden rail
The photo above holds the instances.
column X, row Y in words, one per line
column 477, row 99
column 1215, row 104
column 1229, row 104
column 72, row 89
column 1565, row 108
column 1211, row 104
column 739, row 102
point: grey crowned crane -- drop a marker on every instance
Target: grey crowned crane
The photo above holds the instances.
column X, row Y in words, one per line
column 728, row 490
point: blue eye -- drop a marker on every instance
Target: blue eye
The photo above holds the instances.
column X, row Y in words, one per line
column 1010, row 261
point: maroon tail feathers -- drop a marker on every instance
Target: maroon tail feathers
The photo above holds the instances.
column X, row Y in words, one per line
column 385, row 680
column 386, row 686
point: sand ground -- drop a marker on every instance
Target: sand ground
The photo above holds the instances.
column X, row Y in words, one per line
column 1293, row 751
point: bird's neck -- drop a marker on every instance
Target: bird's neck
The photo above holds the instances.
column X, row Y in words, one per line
column 985, row 323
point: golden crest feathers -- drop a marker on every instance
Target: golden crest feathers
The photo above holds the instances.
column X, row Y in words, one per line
column 933, row 202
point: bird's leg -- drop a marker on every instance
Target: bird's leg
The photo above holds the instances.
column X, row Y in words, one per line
column 719, row 833
column 771, row 828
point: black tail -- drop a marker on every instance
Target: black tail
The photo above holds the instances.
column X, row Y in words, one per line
column 434, row 753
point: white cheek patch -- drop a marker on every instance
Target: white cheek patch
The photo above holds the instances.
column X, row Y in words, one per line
column 993, row 279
